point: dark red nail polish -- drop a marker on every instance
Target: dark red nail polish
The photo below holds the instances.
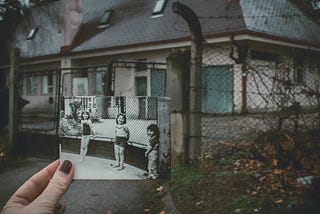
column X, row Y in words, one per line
column 65, row 166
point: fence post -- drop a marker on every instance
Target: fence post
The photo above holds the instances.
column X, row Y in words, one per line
column 178, row 70
column 195, row 79
column 13, row 101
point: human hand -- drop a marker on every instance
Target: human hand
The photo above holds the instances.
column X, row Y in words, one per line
column 41, row 193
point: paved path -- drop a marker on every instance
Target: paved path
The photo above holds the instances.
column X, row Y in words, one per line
column 99, row 168
column 84, row 196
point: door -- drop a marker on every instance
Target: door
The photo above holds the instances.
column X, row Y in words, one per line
column 141, row 91
column 217, row 94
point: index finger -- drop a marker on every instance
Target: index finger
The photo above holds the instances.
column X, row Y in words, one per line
column 33, row 187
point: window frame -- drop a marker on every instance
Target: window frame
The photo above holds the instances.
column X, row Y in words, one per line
column 105, row 19
column 299, row 71
column 32, row 85
column 159, row 7
column 47, row 87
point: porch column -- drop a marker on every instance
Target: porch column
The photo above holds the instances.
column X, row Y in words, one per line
column 66, row 80
column 178, row 72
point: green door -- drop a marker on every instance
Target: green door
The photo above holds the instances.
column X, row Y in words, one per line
column 217, row 93
column 158, row 82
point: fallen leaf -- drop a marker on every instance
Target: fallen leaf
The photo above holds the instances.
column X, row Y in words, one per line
column 275, row 162
column 253, row 193
column 280, row 201
column 237, row 210
column 160, row 189
column 199, row 203
column 263, row 178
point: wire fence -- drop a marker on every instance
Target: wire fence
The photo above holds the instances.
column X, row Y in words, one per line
column 267, row 90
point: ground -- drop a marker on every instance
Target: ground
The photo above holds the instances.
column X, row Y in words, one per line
column 230, row 179
column 274, row 175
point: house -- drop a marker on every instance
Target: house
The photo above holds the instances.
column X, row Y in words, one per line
column 123, row 48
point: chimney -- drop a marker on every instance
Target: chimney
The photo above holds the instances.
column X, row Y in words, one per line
column 71, row 20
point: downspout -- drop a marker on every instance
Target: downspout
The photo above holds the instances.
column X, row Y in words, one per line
column 244, row 108
column 194, row 120
column 242, row 59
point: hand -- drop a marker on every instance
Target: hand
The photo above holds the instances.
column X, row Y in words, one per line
column 41, row 193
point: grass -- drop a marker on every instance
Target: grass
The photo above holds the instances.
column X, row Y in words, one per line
column 229, row 180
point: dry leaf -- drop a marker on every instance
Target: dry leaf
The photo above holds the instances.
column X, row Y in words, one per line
column 237, row 210
column 275, row 162
column 253, row 193
column 160, row 189
column 263, row 178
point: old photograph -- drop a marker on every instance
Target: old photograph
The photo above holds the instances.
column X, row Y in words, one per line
column 116, row 137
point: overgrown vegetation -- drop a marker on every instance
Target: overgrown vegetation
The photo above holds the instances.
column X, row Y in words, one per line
column 274, row 174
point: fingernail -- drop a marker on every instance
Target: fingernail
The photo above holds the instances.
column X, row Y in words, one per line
column 65, row 166
column 58, row 206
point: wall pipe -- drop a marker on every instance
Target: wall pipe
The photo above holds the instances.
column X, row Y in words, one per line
column 194, row 120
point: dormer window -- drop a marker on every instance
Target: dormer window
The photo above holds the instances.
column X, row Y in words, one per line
column 32, row 33
column 105, row 19
column 159, row 7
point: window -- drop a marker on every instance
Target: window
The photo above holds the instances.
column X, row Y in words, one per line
column 101, row 79
column 159, row 7
column 299, row 70
column 105, row 19
column 32, row 33
column 32, row 85
column 261, row 55
column 47, row 84
column 141, row 86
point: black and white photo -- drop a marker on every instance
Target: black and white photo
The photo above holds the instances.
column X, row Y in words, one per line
column 116, row 137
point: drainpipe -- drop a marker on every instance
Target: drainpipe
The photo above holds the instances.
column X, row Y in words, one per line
column 244, row 109
column 242, row 59
column 194, row 122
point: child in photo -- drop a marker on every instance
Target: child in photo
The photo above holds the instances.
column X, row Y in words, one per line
column 153, row 151
column 122, row 135
column 87, row 133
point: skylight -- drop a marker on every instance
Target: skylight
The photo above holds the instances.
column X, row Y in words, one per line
column 105, row 19
column 32, row 33
column 159, row 7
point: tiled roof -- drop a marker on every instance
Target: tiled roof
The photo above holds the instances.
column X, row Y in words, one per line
column 47, row 40
column 132, row 23
column 280, row 18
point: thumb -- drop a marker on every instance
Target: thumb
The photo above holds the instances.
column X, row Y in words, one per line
column 59, row 183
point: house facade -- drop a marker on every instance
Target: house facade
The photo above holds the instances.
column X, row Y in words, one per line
column 121, row 48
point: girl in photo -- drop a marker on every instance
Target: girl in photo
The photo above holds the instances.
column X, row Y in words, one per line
column 122, row 135
column 152, row 152
column 87, row 133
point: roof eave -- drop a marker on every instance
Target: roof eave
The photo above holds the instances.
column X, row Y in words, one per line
column 183, row 42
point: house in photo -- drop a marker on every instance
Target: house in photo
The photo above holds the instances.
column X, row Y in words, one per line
column 142, row 48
